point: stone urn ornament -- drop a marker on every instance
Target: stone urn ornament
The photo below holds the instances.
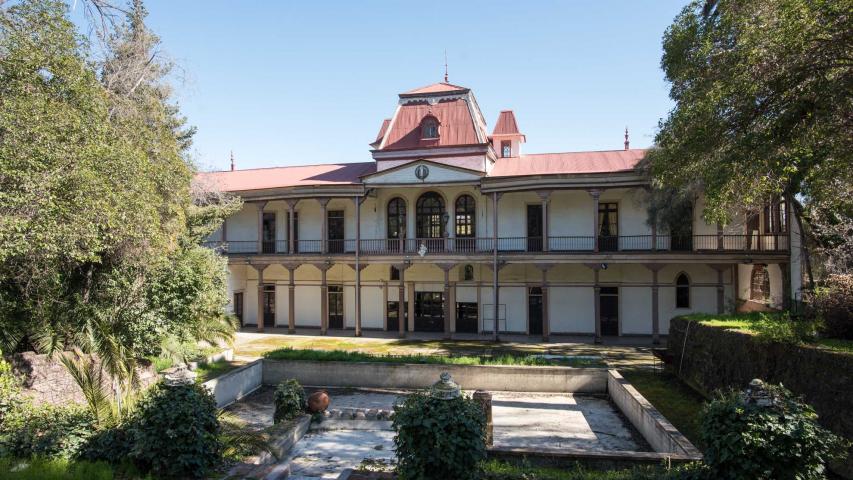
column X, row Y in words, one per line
column 445, row 388
column 318, row 401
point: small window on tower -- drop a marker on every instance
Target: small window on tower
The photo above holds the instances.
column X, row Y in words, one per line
column 429, row 128
column 506, row 149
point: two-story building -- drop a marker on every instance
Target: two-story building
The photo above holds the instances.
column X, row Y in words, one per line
column 450, row 228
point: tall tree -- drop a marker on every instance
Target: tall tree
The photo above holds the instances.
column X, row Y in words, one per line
column 763, row 104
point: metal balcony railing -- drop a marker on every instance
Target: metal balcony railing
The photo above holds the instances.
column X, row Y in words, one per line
column 770, row 243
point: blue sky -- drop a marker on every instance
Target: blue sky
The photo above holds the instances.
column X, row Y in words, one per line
column 304, row 82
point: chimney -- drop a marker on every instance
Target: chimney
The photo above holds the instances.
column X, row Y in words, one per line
column 627, row 143
column 233, row 167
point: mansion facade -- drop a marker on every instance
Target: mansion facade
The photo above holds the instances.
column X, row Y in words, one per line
column 452, row 229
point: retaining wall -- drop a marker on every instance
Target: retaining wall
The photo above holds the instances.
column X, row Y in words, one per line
column 236, row 384
column 415, row 376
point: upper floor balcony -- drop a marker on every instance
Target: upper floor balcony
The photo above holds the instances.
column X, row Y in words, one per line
column 777, row 243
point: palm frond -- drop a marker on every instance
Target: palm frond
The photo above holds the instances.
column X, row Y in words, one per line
column 239, row 440
column 90, row 380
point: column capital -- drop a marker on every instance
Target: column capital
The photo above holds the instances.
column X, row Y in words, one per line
column 595, row 192
column 261, row 204
column 545, row 195
column 291, row 266
column 291, row 202
column 323, row 266
column 654, row 267
column 498, row 195
column 720, row 267
column 259, row 267
column 446, row 267
column 501, row 265
column 323, row 201
column 595, row 267
column 361, row 266
column 544, row 267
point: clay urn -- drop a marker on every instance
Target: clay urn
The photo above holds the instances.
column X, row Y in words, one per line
column 318, row 401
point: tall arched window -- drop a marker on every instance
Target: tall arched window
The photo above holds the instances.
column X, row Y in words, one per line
column 429, row 127
column 465, row 217
column 429, row 211
column 397, row 218
column 682, row 291
column 759, row 285
column 468, row 273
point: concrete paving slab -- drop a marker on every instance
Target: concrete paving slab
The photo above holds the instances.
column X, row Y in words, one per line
column 325, row 454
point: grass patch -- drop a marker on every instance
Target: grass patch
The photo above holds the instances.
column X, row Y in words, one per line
column 836, row 344
column 679, row 403
column 207, row 371
column 60, row 469
column 289, row 353
column 500, row 470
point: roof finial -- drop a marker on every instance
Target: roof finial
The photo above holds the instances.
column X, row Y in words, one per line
column 233, row 167
column 445, row 66
column 627, row 143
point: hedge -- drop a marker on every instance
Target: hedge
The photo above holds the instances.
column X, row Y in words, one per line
column 716, row 358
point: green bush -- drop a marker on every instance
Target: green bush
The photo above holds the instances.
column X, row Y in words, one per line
column 174, row 431
column 45, row 430
column 785, row 329
column 781, row 441
column 53, row 469
column 289, row 400
column 439, row 438
column 833, row 304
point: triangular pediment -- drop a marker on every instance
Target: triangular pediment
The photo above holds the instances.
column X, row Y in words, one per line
column 421, row 172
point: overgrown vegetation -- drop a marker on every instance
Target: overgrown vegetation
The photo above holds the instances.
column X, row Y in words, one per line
column 289, row 353
column 500, row 470
column 438, row 438
column 56, row 469
column 781, row 440
column 290, row 400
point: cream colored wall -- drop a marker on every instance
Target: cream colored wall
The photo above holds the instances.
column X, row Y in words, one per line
column 571, row 309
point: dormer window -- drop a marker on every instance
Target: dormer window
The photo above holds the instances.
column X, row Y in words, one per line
column 429, row 128
column 506, row 149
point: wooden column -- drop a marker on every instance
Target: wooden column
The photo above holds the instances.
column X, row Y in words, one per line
column 721, row 299
column 291, row 296
column 324, row 202
column 291, row 220
column 446, row 267
column 260, row 319
column 358, row 267
column 401, row 302
column 597, row 290
column 324, row 297
column 784, row 268
column 495, row 268
column 452, row 302
column 411, row 320
column 261, row 206
column 545, row 196
column 595, row 194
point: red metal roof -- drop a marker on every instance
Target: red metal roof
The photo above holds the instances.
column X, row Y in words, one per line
column 456, row 127
column 298, row 176
column 382, row 130
column 568, row 163
column 436, row 88
column 506, row 124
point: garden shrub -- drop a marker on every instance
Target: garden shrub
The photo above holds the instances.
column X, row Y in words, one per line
column 54, row 469
column 438, row 438
column 833, row 304
column 45, row 431
column 289, row 400
column 785, row 329
column 174, row 431
column 778, row 442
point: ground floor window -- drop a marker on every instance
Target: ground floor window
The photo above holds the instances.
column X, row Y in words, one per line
column 269, row 305
column 394, row 315
column 336, row 307
column 682, row 291
column 238, row 306
column 609, row 311
column 534, row 310
column 429, row 312
column 759, row 285
column 467, row 316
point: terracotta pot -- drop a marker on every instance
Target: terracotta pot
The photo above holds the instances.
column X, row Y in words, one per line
column 318, row 401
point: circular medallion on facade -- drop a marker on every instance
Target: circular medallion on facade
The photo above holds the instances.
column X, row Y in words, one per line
column 422, row 172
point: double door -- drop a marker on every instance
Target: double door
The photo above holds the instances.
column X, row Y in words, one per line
column 335, row 231
column 336, row 307
column 429, row 311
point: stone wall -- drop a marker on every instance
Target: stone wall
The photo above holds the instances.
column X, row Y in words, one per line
column 714, row 358
column 46, row 380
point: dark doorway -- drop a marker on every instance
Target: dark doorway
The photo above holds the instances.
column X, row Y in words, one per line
column 609, row 311
column 534, row 310
column 295, row 230
column 429, row 312
column 534, row 228
column 268, row 244
column 238, row 306
column 335, row 231
column 336, row 307
column 467, row 316
column 269, row 305
column 608, row 227
column 393, row 323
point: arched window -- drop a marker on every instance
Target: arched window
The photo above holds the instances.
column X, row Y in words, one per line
column 429, row 127
column 429, row 213
column 682, row 291
column 397, row 218
column 468, row 273
column 465, row 217
column 759, row 285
